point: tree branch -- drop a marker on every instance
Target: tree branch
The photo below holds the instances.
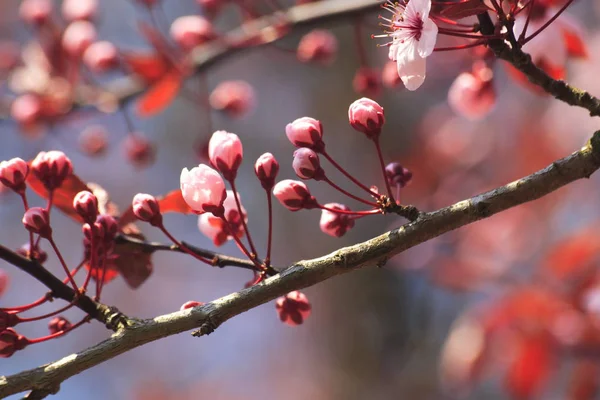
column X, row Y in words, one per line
column 376, row 251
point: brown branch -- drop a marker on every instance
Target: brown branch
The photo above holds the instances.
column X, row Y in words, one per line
column 374, row 252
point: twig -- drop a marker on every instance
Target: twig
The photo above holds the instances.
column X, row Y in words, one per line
column 376, row 251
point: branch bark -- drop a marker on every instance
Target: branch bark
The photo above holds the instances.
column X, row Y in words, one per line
column 374, row 252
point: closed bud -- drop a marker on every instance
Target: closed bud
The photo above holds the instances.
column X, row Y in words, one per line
column 203, row 189
column 59, row 324
column 190, row 304
column 74, row 10
column 77, row 37
column 36, row 220
column 10, row 342
column 320, row 45
column 37, row 254
column 225, row 152
column 306, row 164
column 8, row 319
column 293, row 308
column 35, row 12
column 191, row 30
column 397, row 175
column 306, row 132
column 108, row 227
column 101, row 56
column 294, row 195
column 146, row 208
column 336, row 224
column 266, row 168
column 13, row 174
column 366, row 116
column 86, row 205
column 235, row 98
column 52, row 168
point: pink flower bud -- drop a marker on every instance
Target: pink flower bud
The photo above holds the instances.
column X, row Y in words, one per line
column 52, row 168
column 216, row 229
column 146, row 208
column 109, row 228
column 225, row 153
column 79, row 9
column 390, row 77
column 306, row 164
column 294, row 195
column 26, row 109
column 472, row 95
column 93, row 140
column 36, row 220
column 86, row 205
column 191, row 30
column 266, row 169
column 235, row 98
column 37, row 254
column 320, row 45
column 190, row 304
column 101, row 56
column 139, row 150
column 203, row 189
column 293, row 308
column 8, row 320
column 59, row 324
column 306, row 132
column 77, row 37
column 10, row 342
column 366, row 116
column 35, row 12
column 397, row 175
column 13, row 174
column 336, row 224
column 367, row 82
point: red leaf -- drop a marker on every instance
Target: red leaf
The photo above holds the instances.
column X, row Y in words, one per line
column 575, row 44
column 174, row 202
column 150, row 67
column 531, row 366
column 462, row 9
column 572, row 256
column 134, row 264
column 160, row 94
column 110, row 273
column 63, row 196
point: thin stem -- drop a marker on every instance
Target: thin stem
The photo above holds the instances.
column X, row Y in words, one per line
column 353, row 179
column 551, row 20
column 241, row 245
column 382, row 164
column 522, row 35
column 26, row 307
column 26, row 206
column 100, row 282
column 50, row 314
column 363, row 213
column 60, row 333
column 88, row 276
column 63, row 263
column 339, row 189
column 239, row 208
column 183, row 247
column 461, row 47
column 269, row 235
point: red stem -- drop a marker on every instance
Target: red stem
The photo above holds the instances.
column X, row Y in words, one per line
column 353, row 179
column 339, row 189
column 239, row 208
column 522, row 35
column 363, row 213
column 26, row 206
column 26, row 307
column 62, row 262
column 184, row 247
column 50, row 314
column 551, row 20
column 59, row 333
column 382, row 164
column 269, row 236
column 241, row 245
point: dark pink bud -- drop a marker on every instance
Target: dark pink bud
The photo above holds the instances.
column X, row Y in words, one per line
column 10, row 342
column 13, row 174
column 336, row 224
column 366, row 116
column 35, row 12
column 266, row 169
column 225, row 153
column 79, row 9
column 294, row 195
column 190, row 304
column 86, row 205
column 37, row 254
column 108, row 227
column 58, row 324
column 306, row 164
column 306, row 132
column 26, row 109
column 367, row 82
column 293, row 308
column 146, row 208
column 36, row 220
column 8, row 320
column 397, row 175
column 235, row 98
column 139, row 150
column 319, row 45
column 93, row 140
column 191, row 30
column 77, row 37
column 101, row 56
column 52, row 168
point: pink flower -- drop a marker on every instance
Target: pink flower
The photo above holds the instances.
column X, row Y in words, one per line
column 191, row 30
column 266, row 169
column 336, row 224
column 225, row 153
column 79, row 9
column 59, row 324
column 26, row 109
column 146, row 208
column 86, row 205
column 52, row 168
column 235, row 98
column 77, row 37
column 139, row 150
column 35, row 12
column 319, row 45
column 306, row 132
column 37, row 220
column 216, row 229
column 101, row 56
column 366, row 116
column 293, row 308
column 93, row 140
column 13, row 174
column 294, row 195
column 413, row 36
column 306, row 164
column 472, row 94
column 203, row 189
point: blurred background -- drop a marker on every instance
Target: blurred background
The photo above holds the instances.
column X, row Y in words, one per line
column 414, row 329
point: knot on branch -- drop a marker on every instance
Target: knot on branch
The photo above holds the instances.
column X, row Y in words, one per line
column 206, row 328
column 114, row 319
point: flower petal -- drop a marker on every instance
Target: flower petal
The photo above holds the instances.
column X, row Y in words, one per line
column 411, row 66
column 421, row 7
column 428, row 38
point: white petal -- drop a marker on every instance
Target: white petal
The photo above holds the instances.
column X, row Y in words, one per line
column 428, row 38
column 418, row 6
column 411, row 67
column 393, row 51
